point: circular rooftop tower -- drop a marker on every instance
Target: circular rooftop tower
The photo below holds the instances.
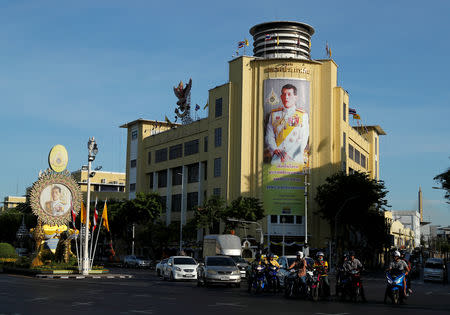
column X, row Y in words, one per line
column 282, row 39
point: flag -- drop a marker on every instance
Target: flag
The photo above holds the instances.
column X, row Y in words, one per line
column 268, row 37
column 351, row 111
column 197, row 107
column 327, row 50
column 204, row 107
column 74, row 215
column 309, row 44
column 105, row 216
column 330, row 52
column 278, row 40
column 95, row 214
column 241, row 44
column 298, row 41
column 246, row 42
column 83, row 213
column 356, row 116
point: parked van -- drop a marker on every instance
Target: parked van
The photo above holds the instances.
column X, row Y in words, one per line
column 434, row 270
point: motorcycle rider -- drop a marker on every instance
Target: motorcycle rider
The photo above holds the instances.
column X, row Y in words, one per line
column 322, row 266
column 258, row 261
column 300, row 265
column 354, row 264
column 270, row 261
column 398, row 266
column 408, row 277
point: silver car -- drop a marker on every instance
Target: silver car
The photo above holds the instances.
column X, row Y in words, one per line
column 218, row 269
column 434, row 270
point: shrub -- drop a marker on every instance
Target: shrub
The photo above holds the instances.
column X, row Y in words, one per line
column 46, row 255
column 7, row 251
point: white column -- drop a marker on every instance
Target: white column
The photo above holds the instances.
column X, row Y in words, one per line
column 155, row 181
column 169, row 196
column 184, row 195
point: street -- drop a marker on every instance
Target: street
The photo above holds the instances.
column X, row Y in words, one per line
column 147, row 294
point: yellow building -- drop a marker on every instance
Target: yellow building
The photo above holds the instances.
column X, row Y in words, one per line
column 104, row 185
column 13, row 201
column 241, row 148
column 403, row 237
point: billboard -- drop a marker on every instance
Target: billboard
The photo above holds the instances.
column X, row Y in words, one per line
column 286, row 145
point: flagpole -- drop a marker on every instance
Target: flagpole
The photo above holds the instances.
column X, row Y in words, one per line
column 93, row 227
column 76, row 246
column 81, row 242
column 96, row 241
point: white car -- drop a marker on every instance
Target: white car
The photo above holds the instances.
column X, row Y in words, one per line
column 160, row 267
column 434, row 270
column 180, row 268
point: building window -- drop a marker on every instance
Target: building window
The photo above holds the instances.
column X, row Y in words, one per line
column 151, row 180
column 344, row 141
column 149, row 158
column 218, row 137
column 376, row 146
column 132, row 187
column 350, row 151
column 134, row 135
column 205, row 144
column 133, row 163
column 161, row 155
column 164, row 203
column 351, row 171
column 175, row 151
column 363, row 160
column 216, row 192
column 205, row 170
column 273, row 219
column 192, row 173
column 192, row 200
column 177, row 175
column 344, row 107
column 298, row 219
column 357, row 156
column 218, row 107
column 162, row 178
column 191, row 147
column 176, row 203
column 217, row 167
column 287, row 219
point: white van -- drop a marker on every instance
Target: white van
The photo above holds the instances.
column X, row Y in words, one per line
column 434, row 270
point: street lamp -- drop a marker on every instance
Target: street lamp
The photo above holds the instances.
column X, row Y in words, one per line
column 182, row 206
column 261, row 240
column 93, row 150
column 283, row 221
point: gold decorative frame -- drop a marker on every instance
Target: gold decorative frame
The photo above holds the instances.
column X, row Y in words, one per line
column 47, row 178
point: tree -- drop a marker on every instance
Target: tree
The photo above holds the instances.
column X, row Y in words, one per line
column 208, row 216
column 243, row 208
column 444, row 180
column 354, row 204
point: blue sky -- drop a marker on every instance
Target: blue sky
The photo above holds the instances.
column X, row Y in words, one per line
column 71, row 70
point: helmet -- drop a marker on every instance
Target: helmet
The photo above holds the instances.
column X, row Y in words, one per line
column 396, row 253
column 300, row 254
column 352, row 253
column 270, row 256
column 320, row 254
column 346, row 255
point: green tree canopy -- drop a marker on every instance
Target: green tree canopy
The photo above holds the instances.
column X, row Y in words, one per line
column 444, row 180
column 243, row 208
column 356, row 203
column 208, row 216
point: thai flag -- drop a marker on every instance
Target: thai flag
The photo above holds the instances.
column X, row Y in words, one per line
column 241, row 44
column 351, row 111
column 197, row 107
column 268, row 37
column 95, row 215
column 74, row 215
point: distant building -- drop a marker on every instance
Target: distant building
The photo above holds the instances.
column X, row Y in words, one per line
column 11, row 202
column 402, row 237
column 410, row 220
column 104, row 185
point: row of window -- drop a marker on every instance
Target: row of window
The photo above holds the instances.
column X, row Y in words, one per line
column 190, row 148
column 286, row 219
column 193, row 174
column 357, row 156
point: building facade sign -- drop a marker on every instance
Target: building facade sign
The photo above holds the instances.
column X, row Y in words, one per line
column 286, row 150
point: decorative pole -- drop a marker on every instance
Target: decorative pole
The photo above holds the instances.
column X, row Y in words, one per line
column 93, row 150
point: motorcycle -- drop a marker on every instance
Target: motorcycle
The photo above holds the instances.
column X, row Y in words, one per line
column 272, row 278
column 317, row 286
column 395, row 288
column 291, row 285
column 259, row 279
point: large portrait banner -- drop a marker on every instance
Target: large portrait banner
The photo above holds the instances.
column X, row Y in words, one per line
column 286, row 145
column 53, row 197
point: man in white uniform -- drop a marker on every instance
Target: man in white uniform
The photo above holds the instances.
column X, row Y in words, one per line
column 287, row 130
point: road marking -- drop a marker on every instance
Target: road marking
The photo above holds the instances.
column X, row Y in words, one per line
column 38, row 299
column 142, row 295
column 82, row 303
column 429, row 293
column 332, row 313
column 142, row 311
column 228, row 304
column 167, row 298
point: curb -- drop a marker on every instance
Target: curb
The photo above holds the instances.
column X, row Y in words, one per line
column 78, row 276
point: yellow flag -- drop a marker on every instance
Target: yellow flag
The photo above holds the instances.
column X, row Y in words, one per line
column 105, row 216
column 83, row 213
column 205, row 106
column 278, row 40
column 246, row 42
column 356, row 116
